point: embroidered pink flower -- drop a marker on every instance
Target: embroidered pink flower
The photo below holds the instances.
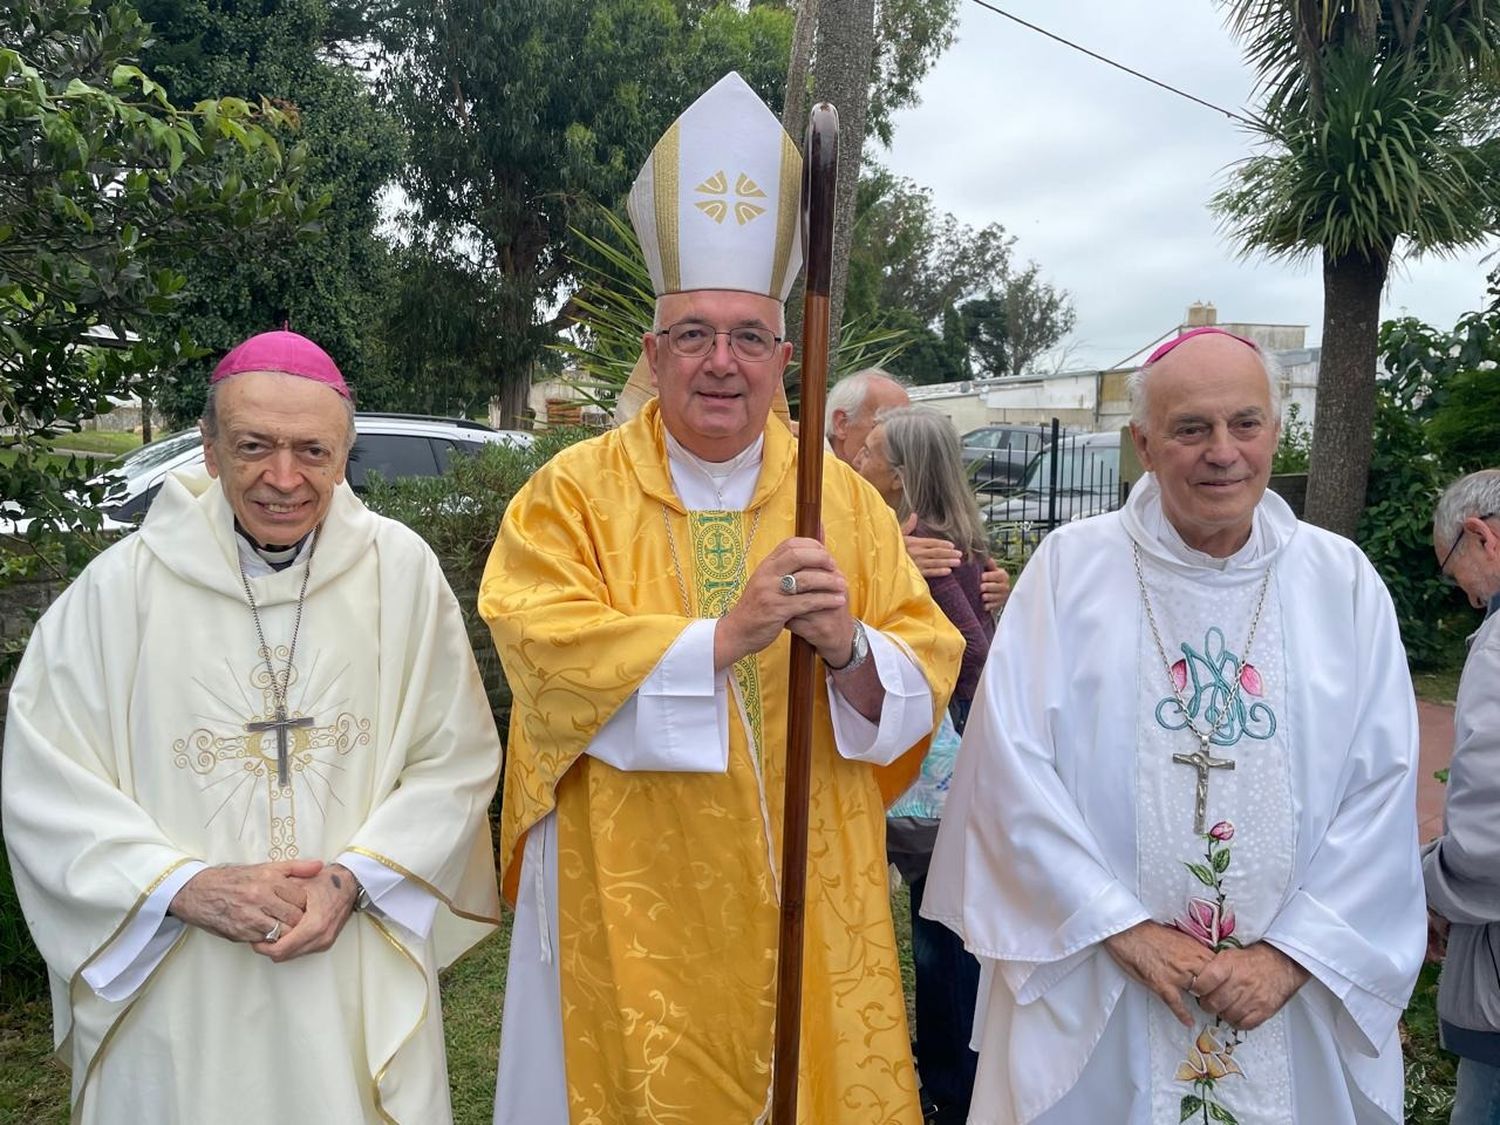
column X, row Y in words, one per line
column 1179, row 675
column 1206, row 922
column 1223, row 831
column 1209, row 1059
column 1250, row 680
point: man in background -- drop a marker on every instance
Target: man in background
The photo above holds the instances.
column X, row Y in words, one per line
column 1462, row 866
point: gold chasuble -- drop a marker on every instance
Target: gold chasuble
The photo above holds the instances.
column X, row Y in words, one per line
column 668, row 883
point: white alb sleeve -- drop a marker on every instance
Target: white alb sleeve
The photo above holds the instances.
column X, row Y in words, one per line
column 392, row 896
column 124, row 964
column 678, row 719
column 905, row 716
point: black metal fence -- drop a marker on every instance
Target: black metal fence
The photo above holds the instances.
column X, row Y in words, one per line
column 1066, row 476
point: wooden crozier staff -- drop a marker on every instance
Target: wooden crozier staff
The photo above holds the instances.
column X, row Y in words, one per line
column 820, row 171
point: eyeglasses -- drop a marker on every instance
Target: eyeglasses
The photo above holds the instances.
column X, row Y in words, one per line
column 1457, row 539
column 694, row 340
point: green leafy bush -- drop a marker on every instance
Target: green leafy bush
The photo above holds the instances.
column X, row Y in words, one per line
column 1406, row 478
column 1294, row 449
column 458, row 515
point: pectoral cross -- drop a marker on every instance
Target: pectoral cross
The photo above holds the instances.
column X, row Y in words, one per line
column 281, row 724
column 1202, row 761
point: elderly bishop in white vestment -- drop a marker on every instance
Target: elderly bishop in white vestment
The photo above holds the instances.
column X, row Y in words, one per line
column 1196, row 728
column 150, row 829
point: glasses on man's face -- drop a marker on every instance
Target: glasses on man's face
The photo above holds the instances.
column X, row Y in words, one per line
column 692, row 339
column 1452, row 550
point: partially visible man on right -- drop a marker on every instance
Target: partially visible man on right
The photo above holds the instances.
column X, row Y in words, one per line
column 1462, row 866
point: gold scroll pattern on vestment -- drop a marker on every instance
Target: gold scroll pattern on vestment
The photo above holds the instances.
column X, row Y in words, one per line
column 238, row 763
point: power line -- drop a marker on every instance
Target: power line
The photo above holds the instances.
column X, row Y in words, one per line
column 1121, row 66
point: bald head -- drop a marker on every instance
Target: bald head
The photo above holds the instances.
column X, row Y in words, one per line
column 1205, row 426
column 1209, row 352
column 854, row 402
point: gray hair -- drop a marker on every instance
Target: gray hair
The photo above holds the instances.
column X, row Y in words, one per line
column 657, row 326
column 208, row 421
column 924, row 453
column 1477, row 494
column 1135, row 384
column 850, row 392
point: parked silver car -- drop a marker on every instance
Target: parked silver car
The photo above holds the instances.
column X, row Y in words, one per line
column 1087, row 482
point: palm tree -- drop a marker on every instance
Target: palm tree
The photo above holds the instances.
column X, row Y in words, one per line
column 1380, row 135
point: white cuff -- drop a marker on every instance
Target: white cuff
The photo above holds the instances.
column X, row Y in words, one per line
column 905, row 715
column 392, row 895
column 124, row 964
column 678, row 719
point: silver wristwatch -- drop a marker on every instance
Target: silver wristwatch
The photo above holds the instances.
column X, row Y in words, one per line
column 859, row 651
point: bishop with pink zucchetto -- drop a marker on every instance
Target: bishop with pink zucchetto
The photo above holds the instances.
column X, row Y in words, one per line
column 247, row 764
column 1181, row 837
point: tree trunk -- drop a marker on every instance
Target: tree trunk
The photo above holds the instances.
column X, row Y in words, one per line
column 145, row 397
column 794, row 110
column 512, row 397
column 1344, row 423
column 844, row 64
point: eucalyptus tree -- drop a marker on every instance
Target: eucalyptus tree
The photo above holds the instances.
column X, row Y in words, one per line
column 1380, row 137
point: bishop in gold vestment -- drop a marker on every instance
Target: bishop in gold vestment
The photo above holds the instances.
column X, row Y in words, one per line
column 642, row 592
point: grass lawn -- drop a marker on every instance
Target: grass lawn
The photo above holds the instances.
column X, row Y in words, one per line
column 104, row 442
column 97, row 445
column 34, row 1086
column 1438, row 686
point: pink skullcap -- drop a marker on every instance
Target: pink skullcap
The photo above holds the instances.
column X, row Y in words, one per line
column 285, row 352
column 1206, row 330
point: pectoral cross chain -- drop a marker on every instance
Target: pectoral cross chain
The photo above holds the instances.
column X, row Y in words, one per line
column 281, row 725
column 1202, row 761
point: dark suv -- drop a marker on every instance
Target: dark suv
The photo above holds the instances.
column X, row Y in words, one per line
column 996, row 456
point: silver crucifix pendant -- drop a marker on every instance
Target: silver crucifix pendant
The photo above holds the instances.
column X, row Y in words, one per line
column 1202, row 761
column 281, row 725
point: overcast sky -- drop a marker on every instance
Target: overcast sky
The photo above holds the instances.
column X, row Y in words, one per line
column 1105, row 180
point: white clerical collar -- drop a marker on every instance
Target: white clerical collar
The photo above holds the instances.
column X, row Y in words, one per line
column 257, row 561
column 1173, row 543
column 1271, row 524
column 715, row 485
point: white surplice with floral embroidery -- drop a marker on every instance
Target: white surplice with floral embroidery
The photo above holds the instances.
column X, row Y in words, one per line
column 1203, row 629
column 1068, row 822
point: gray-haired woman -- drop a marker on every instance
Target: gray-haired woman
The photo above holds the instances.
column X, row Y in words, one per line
column 912, row 457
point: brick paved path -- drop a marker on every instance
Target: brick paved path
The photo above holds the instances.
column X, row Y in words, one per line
column 1435, row 721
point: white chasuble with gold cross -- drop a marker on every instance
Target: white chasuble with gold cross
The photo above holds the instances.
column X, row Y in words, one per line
column 137, row 748
column 1073, row 816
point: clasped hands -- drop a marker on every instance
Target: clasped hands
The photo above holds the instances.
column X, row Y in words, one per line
column 1244, row 987
column 818, row 612
column 304, row 902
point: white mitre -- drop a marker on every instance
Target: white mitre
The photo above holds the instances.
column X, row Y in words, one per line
column 718, row 204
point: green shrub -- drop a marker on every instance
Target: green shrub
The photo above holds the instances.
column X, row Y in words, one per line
column 23, row 975
column 1294, row 449
column 1406, row 478
column 1396, row 533
column 1465, row 429
column 458, row 515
